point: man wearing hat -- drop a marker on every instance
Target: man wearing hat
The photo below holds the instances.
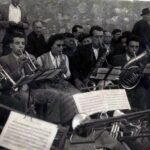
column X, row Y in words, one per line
column 142, row 29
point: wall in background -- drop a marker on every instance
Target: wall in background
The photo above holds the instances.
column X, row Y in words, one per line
column 61, row 15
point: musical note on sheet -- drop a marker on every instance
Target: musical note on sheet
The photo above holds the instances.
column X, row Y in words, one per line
column 101, row 101
column 24, row 133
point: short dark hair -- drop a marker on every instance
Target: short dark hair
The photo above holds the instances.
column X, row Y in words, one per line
column 68, row 35
column 97, row 28
column 75, row 28
column 16, row 35
column 83, row 36
column 115, row 31
column 125, row 34
column 53, row 39
column 132, row 38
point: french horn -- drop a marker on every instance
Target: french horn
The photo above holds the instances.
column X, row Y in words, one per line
column 132, row 71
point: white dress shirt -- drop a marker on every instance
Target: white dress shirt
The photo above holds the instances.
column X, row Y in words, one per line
column 96, row 51
column 14, row 13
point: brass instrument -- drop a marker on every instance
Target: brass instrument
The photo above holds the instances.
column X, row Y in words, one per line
column 90, row 84
column 132, row 71
column 5, row 76
column 30, row 63
column 83, row 125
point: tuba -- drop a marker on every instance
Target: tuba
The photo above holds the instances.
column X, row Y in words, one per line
column 132, row 71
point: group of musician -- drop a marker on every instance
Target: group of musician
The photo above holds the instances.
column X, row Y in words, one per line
column 73, row 55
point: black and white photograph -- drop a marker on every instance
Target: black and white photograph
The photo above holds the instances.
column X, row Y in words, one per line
column 74, row 74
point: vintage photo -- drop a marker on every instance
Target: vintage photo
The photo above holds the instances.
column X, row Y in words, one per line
column 75, row 74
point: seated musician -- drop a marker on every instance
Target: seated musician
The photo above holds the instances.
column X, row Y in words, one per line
column 8, row 102
column 86, row 57
column 55, row 59
column 50, row 104
column 138, row 97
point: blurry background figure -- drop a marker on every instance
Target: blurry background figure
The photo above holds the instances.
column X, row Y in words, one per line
column 107, row 40
column 69, row 44
column 142, row 29
column 76, row 31
column 120, row 48
column 84, row 39
column 36, row 44
column 116, row 33
column 14, row 20
column 2, row 33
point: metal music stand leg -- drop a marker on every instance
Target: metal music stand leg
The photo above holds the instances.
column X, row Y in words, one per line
column 30, row 105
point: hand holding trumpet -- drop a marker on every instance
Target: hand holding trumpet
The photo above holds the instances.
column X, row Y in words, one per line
column 23, row 59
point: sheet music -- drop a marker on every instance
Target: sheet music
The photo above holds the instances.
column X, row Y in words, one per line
column 113, row 74
column 24, row 133
column 101, row 101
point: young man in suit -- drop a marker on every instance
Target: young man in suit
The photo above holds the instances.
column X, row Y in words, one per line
column 132, row 48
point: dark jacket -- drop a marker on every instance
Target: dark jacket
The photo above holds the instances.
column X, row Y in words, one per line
column 36, row 45
column 142, row 29
column 84, row 61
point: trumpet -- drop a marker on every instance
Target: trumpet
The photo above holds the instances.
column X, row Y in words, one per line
column 26, row 60
column 5, row 76
column 30, row 64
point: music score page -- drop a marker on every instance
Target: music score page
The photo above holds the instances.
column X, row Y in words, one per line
column 24, row 133
column 101, row 101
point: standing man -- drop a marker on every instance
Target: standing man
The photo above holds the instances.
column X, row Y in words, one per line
column 36, row 44
column 14, row 20
column 142, row 29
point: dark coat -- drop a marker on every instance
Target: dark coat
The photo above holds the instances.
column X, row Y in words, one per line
column 142, row 29
column 36, row 45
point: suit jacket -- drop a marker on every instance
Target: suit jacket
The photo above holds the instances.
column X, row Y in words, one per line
column 11, row 66
column 84, row 61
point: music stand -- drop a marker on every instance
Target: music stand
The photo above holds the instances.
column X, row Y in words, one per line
column 38, row 76
column 111, row 73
